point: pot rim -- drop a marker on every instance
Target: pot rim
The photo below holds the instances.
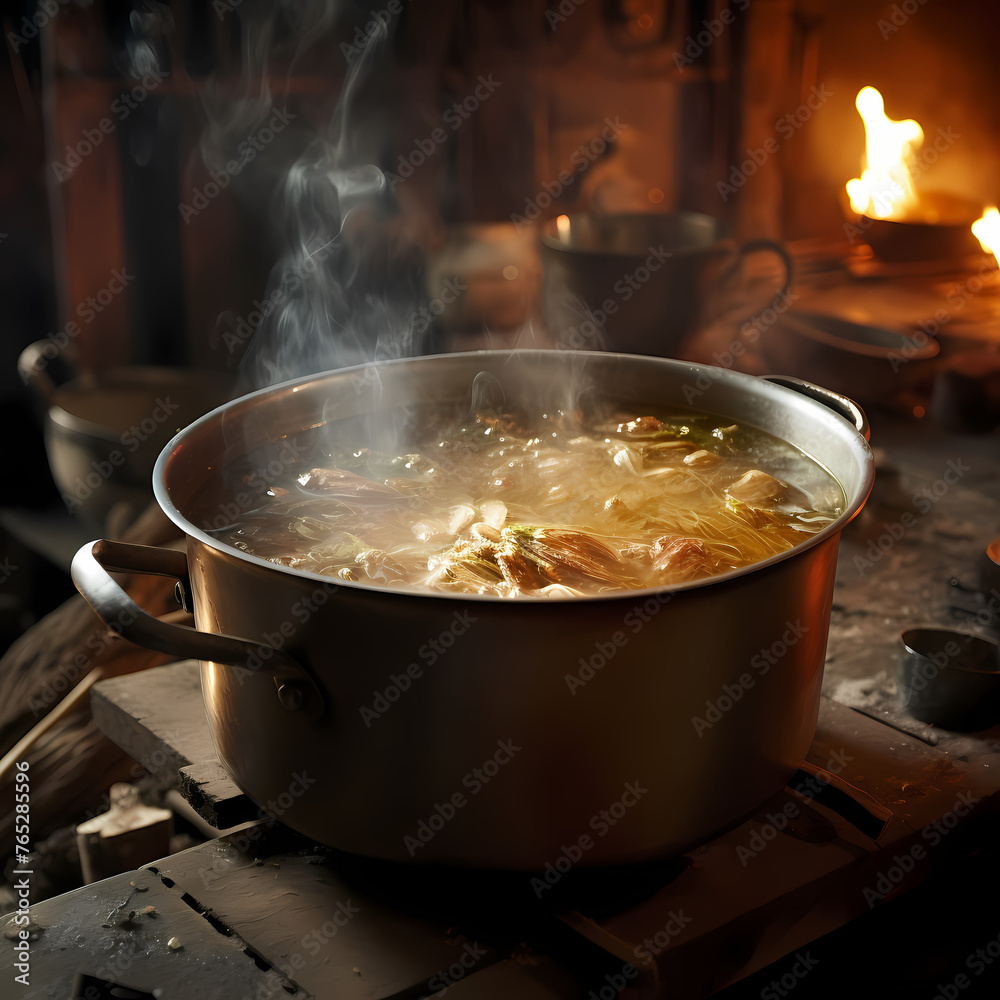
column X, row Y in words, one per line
column 149, row 379
column 908, row 639
column 202, row 537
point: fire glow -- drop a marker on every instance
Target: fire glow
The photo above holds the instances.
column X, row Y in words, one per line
column 885, row 188
column 986, row 229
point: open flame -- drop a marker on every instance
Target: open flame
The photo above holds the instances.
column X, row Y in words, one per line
column 885, row 189
column 986, row 229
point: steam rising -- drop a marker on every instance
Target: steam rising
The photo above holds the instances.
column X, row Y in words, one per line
column 345, row 287
column 487, row 396
column 349, row 280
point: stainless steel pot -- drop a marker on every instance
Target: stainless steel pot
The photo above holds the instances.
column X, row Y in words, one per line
column 477, row 731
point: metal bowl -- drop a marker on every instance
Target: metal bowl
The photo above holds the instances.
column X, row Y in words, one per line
column 950, row 679
column 942, row 231
column 104, row 431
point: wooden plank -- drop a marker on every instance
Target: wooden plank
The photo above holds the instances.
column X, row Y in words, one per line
column 87, row 220
column 775, row 883
column 159, row 718
column 89, row 931
column 214, row 796
column 254, row 920
column 332, row 937
column 530, row 977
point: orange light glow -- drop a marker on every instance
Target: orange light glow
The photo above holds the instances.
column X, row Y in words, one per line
column 885, row 188
column 655, row 195
column 986, row 229
column 562, row 227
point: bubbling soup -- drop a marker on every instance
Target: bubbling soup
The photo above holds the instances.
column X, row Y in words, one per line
column 555, row 506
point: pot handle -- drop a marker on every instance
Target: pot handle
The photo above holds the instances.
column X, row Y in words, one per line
column 770, row 246
column 847, row 408
column 91, row 571
column 31, row 367
column 743, row 250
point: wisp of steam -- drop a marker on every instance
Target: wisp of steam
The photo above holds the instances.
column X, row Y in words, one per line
column 344, row 289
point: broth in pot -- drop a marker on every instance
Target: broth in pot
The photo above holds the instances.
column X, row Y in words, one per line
column 553, row 506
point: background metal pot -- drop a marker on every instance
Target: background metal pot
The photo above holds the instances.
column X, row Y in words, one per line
column 640, row 282
column 104, row 431
column 849, row 357
column 942, row 232
column 444, row 728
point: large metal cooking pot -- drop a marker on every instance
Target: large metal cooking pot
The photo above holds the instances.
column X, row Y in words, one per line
column 470, row 730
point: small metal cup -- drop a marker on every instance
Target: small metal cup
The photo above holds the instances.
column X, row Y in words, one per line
column 950, row 679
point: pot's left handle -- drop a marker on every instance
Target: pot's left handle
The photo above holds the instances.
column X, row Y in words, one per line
column 92, row 566
column 31, row 367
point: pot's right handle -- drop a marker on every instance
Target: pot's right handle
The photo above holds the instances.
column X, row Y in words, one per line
column 847, row 408
column 91, row 569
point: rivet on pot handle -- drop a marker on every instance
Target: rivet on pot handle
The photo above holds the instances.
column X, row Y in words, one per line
column 847, row 408
column 91, row 570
